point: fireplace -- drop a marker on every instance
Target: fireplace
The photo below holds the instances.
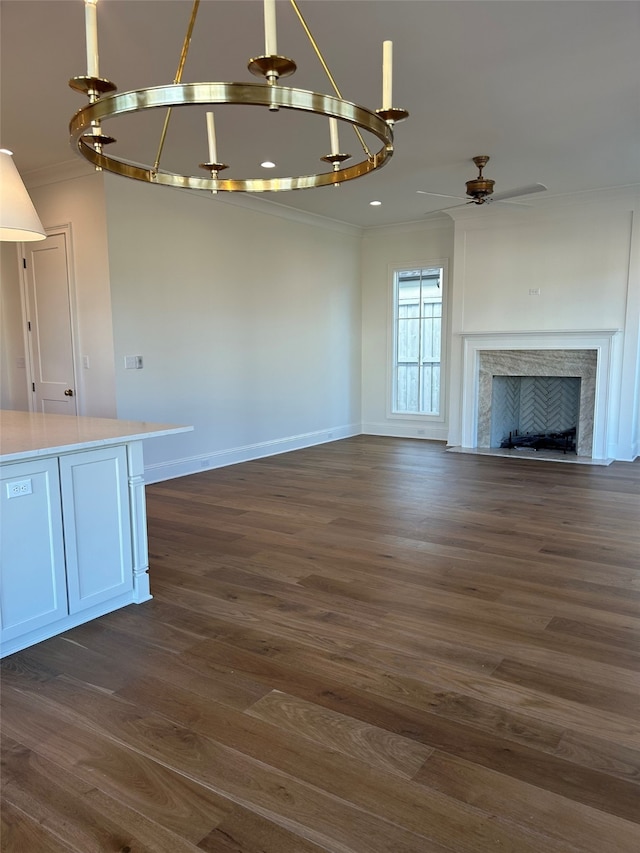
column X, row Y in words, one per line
column 586, row 358
column 541, row 371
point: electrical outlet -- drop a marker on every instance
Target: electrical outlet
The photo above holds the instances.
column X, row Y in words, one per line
column 534, row 291
column 19, row 488
column 133, row 362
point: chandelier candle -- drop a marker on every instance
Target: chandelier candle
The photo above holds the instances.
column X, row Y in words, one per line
column 270, row 36
column 211, row 138
column 387, row 75
column 91, row 28
column 333, row 130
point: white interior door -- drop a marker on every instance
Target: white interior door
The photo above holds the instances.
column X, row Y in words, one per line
column 50, row 325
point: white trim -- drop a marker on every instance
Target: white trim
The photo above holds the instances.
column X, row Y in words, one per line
column 603, row 341
column 16, row 644
column 66, row 231
column 267, row 207
column 66, row 171
column 233, row 455
column 438, row 222
column 472, row 217
column 79, row 168
column 420, row 431
column 445, row 338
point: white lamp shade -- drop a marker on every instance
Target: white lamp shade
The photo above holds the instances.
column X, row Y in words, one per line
column 18, row 218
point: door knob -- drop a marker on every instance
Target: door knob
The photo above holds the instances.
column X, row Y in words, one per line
column 68, row 392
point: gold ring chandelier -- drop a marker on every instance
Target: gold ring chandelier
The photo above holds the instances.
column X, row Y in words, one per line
column 89, row 139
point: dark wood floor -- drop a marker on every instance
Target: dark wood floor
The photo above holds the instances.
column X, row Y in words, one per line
column 373, row 646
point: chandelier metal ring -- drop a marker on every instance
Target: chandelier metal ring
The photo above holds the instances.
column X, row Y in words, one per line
column 83, row 124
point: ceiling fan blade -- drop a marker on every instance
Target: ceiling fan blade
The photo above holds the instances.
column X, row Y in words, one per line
column 451, row 207
column 532, row 188
column 440, row 195
column 506, row 201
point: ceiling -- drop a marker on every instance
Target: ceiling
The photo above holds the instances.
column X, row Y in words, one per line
column 550, row 90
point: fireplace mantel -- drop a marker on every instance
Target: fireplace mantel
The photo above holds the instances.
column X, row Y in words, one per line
column 602, row 341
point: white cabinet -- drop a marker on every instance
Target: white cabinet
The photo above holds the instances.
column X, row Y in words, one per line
column 32, row 567
column 67, row 547
column 95, row 518
column 73, row 521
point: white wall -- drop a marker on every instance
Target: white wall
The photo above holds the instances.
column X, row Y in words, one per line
column 248, row 324
column 80, row 203
column 580, row 254
column 382, row 250
column 255, row 329
column 583, row 254
column 579, row 259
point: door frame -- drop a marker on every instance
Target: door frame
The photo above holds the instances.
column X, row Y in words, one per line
column 73, row 317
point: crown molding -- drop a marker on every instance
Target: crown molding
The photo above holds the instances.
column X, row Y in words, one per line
column 625, row 198
column 282, row 211
column 436, row 222
column 66, row 171
column 78, row 168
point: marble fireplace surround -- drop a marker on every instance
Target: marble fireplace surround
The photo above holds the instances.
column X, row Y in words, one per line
column 584, row 354
column 579, row 363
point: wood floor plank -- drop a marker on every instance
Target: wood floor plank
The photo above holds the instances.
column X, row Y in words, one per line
column 77, row 812
column 369, row 744
column 244, row 831
column 238, row 772
column 499, row 750
column 519, row 713
column 569, row 687
column 624, row 637
column 170, row 800
column 369, row 646
column 590, row 830
column 20, row 832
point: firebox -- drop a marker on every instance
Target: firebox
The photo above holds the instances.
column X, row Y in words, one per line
column 537, row 412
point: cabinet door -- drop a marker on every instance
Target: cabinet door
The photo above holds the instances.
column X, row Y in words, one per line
column 33, row 590
column 97, row 528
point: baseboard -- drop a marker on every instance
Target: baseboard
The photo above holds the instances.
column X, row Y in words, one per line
column 628, row 453
column 234, row 455
column 430, row 432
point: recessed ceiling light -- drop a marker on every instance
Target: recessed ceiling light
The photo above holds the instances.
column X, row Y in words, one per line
column 375, row 203
column 268, row 165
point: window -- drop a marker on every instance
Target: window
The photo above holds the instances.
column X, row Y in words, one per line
column 417, row 340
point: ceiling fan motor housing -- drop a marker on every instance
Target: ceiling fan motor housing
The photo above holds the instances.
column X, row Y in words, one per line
column 479, row 188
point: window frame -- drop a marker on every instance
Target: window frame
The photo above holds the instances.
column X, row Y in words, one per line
column 393, row 270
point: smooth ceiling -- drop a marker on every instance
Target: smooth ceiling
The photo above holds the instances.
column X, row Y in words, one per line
column 550, row 90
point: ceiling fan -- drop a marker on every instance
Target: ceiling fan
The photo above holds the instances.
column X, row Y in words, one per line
column 480, row 189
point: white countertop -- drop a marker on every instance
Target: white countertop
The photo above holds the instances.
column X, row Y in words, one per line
column 26, row 435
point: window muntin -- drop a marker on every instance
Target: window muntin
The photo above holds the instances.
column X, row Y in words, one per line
column 417, row 351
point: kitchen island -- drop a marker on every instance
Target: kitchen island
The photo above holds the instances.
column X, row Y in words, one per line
column 73, row 529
